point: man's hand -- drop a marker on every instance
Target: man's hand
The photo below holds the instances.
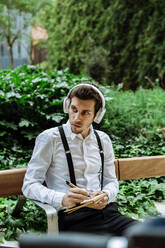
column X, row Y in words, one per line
column 100, row 204
column 74, row 196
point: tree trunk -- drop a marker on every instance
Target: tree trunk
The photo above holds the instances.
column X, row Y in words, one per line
column 11, row 56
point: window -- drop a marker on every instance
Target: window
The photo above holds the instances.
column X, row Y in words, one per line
column 19, row 49
column 2, row 49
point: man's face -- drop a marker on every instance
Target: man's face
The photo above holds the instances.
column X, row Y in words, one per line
column 81, row 115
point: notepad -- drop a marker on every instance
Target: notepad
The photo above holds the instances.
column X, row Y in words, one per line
column 86, row 203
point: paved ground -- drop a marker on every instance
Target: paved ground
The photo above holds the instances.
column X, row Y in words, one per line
column 161, row 207
column 7, row 244
column 11, row 244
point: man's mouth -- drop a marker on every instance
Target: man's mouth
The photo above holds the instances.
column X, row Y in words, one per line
column 76, row 125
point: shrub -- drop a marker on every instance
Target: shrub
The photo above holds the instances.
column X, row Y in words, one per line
column 32, row 100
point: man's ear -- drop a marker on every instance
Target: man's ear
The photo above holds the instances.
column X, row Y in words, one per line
column 66, row 104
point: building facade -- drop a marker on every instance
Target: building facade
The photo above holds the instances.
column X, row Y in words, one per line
column 21, row 46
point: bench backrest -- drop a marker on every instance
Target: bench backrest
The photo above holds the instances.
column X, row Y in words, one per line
column 11, row 181
column 140, row 167
column 126, row 168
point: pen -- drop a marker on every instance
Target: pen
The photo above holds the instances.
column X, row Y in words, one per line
column 71, row 185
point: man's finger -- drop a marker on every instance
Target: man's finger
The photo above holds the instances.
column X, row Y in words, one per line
column 79, row 191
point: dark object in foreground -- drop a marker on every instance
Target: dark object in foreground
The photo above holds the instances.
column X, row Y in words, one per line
column 64, row 240
column 150, row 233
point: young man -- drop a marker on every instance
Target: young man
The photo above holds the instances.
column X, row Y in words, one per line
column 92, row 172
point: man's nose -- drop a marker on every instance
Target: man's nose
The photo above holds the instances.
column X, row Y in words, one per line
column 77, row 116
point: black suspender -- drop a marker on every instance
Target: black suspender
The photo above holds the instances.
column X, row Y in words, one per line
column 101, row 155
column 69, row 157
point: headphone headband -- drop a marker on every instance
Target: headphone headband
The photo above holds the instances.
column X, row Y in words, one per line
column 101, row 111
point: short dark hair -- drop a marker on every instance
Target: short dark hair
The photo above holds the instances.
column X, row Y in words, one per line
column 86, row 93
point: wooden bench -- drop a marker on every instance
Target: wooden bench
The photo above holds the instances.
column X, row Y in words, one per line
column 140, row 167
column 126, row 169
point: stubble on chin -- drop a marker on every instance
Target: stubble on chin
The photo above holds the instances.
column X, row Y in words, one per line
column 75, row 130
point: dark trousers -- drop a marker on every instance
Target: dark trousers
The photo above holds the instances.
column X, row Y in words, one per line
column 87, row 220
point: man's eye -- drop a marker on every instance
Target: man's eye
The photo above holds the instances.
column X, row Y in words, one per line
column 74, row 110
column 86, row 112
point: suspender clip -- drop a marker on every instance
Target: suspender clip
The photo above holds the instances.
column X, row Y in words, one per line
column 67, row 151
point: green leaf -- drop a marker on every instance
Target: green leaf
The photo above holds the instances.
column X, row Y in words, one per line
column 8, row 125
column 25, row 123
column 3, row 133
column 55, row 117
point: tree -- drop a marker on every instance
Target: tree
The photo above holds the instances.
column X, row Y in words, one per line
column 121, row 40
column 9, row 29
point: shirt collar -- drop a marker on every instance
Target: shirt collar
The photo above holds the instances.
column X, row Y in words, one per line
column 74, row 135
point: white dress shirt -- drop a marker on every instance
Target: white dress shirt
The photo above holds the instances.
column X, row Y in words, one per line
column 48, row 163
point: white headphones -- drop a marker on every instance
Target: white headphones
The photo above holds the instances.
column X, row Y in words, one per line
column 100, row 113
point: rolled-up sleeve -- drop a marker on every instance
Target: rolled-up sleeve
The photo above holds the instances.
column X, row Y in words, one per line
column 41, row 159
column 110, row 185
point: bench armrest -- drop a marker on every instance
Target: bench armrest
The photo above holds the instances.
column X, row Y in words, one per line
column 52, row 216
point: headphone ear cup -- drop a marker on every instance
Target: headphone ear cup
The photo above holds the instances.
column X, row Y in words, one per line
column 66, row 104
column 99, row 115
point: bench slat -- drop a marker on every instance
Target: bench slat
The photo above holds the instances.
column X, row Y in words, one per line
column 11, row 181
column 141, row 167
column 126, row 168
